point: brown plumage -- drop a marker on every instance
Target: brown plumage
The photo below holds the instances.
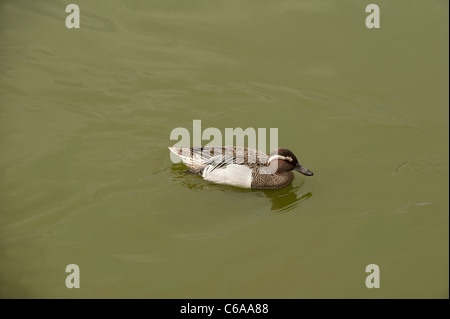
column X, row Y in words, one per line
column 264, row 171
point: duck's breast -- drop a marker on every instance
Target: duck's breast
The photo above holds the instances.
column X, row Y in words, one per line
column 234, row 174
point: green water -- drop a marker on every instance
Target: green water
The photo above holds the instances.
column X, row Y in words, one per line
column 86, row 177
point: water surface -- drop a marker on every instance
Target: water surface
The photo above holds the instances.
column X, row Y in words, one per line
column 86, row 178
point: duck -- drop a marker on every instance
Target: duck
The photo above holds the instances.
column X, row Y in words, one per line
column 241, row 166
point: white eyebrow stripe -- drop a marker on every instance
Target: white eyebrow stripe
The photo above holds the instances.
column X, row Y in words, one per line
column 286, row 158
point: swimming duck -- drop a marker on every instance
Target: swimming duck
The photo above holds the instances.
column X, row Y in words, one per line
column 241, row 166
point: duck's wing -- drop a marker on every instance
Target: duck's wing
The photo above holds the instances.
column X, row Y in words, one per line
column 196, row 158
column 221, row 162
column 193, row 157
column 252, row 156
column 188, row 153
column 236, row 155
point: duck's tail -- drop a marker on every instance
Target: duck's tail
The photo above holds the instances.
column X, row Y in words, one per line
column 192, row 157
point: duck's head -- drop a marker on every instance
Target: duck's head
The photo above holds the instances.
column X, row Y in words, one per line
column 283, row 160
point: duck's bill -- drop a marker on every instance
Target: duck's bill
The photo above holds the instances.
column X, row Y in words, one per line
column 303, row 170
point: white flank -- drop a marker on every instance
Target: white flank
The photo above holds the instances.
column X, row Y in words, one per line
column 233, row 174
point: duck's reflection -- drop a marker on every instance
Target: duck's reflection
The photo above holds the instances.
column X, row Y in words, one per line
column 282, row 200
column 187, row 179
column 286, row 198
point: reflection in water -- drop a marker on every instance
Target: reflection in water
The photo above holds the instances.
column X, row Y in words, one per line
column 189, row 180
column 283, row 199
column 286, row 198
